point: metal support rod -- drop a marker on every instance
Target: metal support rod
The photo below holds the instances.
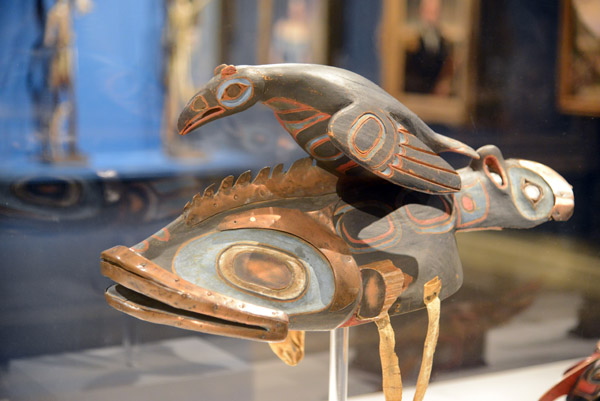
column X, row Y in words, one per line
column 338, row 364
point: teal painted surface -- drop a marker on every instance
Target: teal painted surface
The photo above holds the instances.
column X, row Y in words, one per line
column 196, row 261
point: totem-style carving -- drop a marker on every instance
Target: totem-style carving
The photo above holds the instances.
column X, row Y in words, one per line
column 366, row 233
column 59, row 135
column 307, row 250
column 346, row 122
column 325, row 251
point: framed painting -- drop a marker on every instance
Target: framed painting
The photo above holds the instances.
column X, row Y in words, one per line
column 292, row 31
column 579, row 57
column 427, row 54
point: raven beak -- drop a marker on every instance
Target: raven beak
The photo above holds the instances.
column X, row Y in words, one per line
column 197, row 113
column 564, row 200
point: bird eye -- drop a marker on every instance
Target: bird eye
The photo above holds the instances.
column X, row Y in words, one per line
column 532, row 192
column 233, row 91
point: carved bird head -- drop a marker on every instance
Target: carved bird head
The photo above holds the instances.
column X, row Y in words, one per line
column 231, row 90
column 518, row 193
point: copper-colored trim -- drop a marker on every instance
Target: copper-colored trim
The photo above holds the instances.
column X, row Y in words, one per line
column 301, row 180
column 143, row 276
column 182, row 319
column 564, row 200
column 393, row 277
column 345, row 271
column 291, row 292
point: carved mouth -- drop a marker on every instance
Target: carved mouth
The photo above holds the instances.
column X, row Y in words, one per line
column 201, row 118
column 151, row 293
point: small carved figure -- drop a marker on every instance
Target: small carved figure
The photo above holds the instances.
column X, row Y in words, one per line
column 60, row 141
column 180, row 36
column 347, row 123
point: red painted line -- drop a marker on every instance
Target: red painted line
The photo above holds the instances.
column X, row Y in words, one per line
column 346, row 166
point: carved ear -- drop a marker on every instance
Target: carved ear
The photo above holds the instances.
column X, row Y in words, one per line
column 219, row 68
column 491, row 162
column 225, row 70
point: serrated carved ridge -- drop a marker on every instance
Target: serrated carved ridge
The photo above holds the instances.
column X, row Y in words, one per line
column 301, row 179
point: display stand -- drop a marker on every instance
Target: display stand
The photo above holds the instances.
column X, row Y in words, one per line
column 338, row 364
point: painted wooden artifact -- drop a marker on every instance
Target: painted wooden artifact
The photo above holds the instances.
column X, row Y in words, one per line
column 581, row 382
column 344, row 121
column 367, row 233
column 307, row 250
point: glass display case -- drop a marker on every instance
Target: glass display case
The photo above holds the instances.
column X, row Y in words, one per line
column 90, row 92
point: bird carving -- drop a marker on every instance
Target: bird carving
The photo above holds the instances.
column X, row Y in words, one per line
column 270, row 257
column 347, row 123
column 342, row 243
column 332, row 234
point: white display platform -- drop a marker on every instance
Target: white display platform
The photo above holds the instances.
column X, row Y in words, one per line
column 181, row 369
column 524, row 384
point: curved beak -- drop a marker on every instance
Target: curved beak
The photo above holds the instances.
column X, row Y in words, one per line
column 564, row 199
column 197, row 113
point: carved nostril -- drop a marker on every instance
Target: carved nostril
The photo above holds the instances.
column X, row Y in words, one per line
column 199, row 104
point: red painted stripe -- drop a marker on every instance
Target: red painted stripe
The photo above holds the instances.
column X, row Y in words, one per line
column 346, row 166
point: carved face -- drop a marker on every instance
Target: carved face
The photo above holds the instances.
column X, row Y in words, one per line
column 230, row 91
column 248, row 274
column 512, row 193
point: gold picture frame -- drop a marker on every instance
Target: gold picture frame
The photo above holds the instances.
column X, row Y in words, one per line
column 579, row 58
column 292, row 31
column 427, row 55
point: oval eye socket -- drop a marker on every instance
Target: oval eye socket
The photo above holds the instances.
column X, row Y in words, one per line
column 263, row 270
column 233, row 91
column 532, row 192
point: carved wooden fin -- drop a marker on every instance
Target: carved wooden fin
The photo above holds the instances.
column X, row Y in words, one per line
column 301, row 179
